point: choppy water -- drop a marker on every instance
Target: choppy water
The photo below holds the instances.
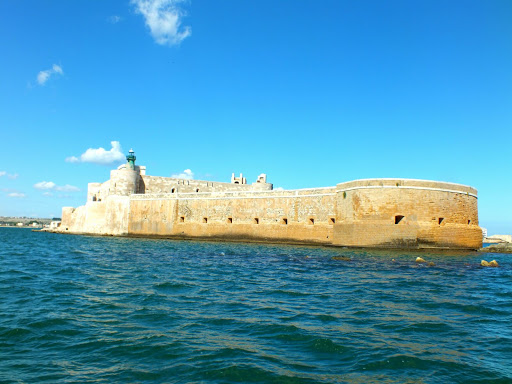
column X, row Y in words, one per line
column 86, row 309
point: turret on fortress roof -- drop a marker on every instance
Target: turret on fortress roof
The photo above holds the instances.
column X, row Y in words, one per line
column 398, row 213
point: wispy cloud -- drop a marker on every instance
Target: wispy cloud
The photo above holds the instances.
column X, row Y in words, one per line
column 16, row 194
column 51, row 186
column 163, row 18
column 114, row 19
column 187, row 174
column 44, row 76
column 11, row 176
column 100, row 155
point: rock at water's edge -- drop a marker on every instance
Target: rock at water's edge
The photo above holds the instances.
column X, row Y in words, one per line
column 498, row 248
column 492, row 263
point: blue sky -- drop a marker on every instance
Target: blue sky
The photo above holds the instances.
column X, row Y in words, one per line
column 312, row 93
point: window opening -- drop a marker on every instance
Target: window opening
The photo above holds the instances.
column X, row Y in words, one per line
column 256, row 220
column 205, row 220
column 311, row 221
column 441, row 219
column 182, row 219
column 285, row 221
column 332, row 220
column 230, row 220
column 398, row 218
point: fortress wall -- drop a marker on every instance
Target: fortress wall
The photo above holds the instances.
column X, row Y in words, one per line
column 93, row 190
column 412, row 183
column 89, row 218
column 73, row 219
column 256, row 215
column 434, row 214
column 98, row 191
column 155, row 184
column 107, row 217
column 152, row 216
column 104, row 190
column 364, row 213
column 117, row 211
column 95, row 217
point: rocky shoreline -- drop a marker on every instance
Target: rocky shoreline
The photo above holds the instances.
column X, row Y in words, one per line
column 498, row 248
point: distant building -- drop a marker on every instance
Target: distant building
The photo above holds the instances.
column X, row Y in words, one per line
column 54, row 224
column 484, row 232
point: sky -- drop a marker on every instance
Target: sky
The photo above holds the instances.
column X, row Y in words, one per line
column 312, row 93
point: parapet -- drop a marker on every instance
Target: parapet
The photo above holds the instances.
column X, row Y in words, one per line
column 407, row 183
column 238, row 180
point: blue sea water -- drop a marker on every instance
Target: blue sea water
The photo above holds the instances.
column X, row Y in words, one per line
column 101, row 309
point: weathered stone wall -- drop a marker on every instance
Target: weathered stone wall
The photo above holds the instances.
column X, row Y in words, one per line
column 410, row 213
column 364, row 213
column 108, row 217
column 155, row 184
column 293, row 216
column 124, row 181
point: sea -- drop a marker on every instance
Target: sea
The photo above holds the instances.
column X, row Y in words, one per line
column 82, row 309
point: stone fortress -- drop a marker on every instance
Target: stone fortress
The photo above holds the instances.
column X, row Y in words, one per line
column 389, row 213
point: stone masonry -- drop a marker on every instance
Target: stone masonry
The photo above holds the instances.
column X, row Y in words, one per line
column 392, row 213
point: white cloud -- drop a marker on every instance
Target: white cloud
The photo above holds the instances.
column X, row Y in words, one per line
column 163, row 17
column 51, row 186
column 100, row 155
column 187, row 174
column 57, row 69
column 47, row 194
column 43, row 76
column 114, row 19
column 16, row 194
column 45, row 185
column 72, row 159
column 11, row 176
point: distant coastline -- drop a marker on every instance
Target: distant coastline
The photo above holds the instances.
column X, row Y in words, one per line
column 25, row 222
